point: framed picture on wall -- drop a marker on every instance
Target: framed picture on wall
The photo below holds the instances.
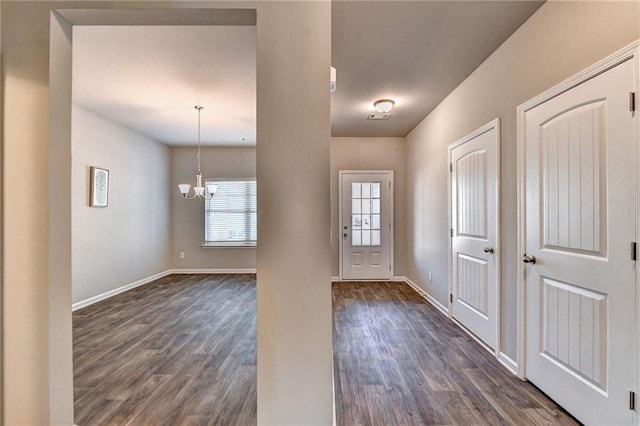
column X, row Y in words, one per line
column 99, row 196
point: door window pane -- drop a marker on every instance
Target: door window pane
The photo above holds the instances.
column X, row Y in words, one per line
column 366, row 221
column 355, row 190
column 366, row 238
column 356, row 222
column 375, row 221
column 375, row 238
column 356, row 238
column 355, row 206
column 366, row 190
column 375, row 190
column 375, row 205
column 366, row 205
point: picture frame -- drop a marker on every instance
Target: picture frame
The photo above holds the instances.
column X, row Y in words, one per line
column 99, row 184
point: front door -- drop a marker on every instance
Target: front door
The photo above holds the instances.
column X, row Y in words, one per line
column 580, row 204
column 474, row 226
column 366, row 225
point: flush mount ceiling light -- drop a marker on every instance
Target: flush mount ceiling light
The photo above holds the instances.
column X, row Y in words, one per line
column 384, row 105
column 206, row 191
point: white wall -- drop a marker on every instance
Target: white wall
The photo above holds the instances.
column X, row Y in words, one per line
column 559, row 40
column 369, row 154
column 128, row 240
column 187, row 216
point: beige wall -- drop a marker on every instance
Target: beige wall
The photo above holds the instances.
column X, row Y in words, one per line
column 346, row 154
column 1, row 213
column 295, row 381
column 25, row 218
column 369, row 154
column 294, row 365
column 559, row 40
column 128, row 240
column 187, row 216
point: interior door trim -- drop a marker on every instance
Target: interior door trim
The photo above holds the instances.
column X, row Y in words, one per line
column 630, row 52
column 494, row 124
column 340, row 218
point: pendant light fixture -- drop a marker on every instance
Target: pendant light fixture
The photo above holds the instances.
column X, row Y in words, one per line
column 206, row 191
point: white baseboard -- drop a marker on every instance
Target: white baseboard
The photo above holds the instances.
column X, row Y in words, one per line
column 439, row 306
column 394, row 279
column 121, row 289
column 474, row 337
column 214, row 271
column 510, row 364
column 147, row 280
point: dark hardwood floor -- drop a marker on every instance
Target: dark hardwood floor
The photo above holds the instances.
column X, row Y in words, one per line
column 399, row 361
column 181, row 351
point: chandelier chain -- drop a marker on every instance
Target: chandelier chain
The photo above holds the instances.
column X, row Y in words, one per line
column 199, row 108
column 202, row 189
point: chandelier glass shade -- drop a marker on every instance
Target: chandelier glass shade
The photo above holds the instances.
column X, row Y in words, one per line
column 202, row 190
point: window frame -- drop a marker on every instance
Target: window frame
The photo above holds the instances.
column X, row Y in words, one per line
column 229, row 244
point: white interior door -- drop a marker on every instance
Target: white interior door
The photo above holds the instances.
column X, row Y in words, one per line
column 366, row 225
column 474, row 224
column 580, row 186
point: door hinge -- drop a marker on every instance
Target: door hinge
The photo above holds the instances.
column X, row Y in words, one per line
column 632, row 101
column 451, row 232
column 389, row 266
column 633, row 250
column 632, row 400
column 451, row 167
column 451, row 297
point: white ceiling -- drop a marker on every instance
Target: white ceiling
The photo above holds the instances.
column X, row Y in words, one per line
column 416, row 52
column 150, row 78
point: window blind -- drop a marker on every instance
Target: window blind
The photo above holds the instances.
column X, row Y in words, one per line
column 231, row 215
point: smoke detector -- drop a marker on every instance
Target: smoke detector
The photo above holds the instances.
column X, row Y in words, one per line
column 378, row 116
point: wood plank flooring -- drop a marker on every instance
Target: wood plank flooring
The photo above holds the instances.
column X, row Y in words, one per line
column 178, row 351
column 181, row 351
column 399, row 361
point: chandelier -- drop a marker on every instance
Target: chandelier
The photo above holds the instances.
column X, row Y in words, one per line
column 206, row 191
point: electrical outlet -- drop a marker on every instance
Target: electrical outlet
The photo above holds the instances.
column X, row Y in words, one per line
column 430, row 276
column 182, row 255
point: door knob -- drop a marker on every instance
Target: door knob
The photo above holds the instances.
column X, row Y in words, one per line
column 345, row 235
column 528, row 259
column 488, row 250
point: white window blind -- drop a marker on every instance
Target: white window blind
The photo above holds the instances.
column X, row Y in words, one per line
column 231, row 215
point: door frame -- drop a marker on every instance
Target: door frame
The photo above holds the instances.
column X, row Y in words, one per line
column 630, row 52
column 341, row 173
column 493, row 124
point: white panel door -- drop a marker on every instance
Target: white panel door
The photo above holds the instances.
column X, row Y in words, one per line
column 474, row 221
column 366, row 225
column 581, row 338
